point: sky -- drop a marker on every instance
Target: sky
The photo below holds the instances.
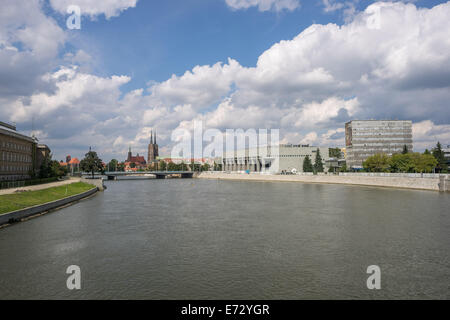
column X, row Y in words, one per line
column 304, row 67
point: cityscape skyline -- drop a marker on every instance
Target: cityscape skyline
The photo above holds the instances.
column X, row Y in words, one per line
column 78, row 89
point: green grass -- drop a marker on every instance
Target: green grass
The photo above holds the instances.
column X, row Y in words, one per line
column 16, row 201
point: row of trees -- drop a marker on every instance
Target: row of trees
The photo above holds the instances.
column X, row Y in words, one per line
column 408, row 162
column 308, row 166
column 50, row 169
column 92, row 163
column 171, row 166
column 114, row 165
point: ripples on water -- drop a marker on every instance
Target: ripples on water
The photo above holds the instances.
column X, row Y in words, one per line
column 204, row 239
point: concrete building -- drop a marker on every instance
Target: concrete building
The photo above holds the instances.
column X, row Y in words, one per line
column 447, row 155
column 272, row 159
column 42, row 152
column 364, row 138
column 17, row 154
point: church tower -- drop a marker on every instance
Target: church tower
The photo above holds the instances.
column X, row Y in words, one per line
column 152, row 149
column 129, row 154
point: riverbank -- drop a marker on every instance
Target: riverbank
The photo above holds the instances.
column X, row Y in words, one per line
column 431, row 184
column 39, row 186
column 20, row 205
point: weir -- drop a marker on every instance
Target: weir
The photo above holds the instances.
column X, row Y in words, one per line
column 444, row 184
column 157, row 174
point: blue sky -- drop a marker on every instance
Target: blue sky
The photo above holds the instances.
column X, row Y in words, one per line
column 160, row 38
column 304, row 67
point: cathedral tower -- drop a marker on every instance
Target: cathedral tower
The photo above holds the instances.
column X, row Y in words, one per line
column 152, row 149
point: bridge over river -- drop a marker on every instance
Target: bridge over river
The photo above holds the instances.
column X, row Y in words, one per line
column 158, row 174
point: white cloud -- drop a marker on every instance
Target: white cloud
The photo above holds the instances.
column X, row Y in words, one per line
column 426, row 134
column 110, row 8
column 314, row 113
column 308, row 86
column 264, row 5
column 76, row 93
column 201, row 87
column 332, row 5
column 29, row 43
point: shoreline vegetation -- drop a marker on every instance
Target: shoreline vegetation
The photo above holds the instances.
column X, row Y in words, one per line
column 27, row 199
column 430, row 184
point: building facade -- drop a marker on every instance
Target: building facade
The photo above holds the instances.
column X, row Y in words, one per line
column 365, row 138
column 42, row 152
column 447, row 156
column 17, row 154
column 134, row 163
column 273, row 159
column 153, row 152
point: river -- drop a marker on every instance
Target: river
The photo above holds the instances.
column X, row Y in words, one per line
column 207, row 239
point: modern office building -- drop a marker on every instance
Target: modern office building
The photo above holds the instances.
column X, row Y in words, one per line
column 365, row 138
column 447, row 155
column 272, row 159
column 17, row 154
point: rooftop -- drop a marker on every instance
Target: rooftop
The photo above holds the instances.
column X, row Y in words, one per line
column 7, row 130
column 7, row 125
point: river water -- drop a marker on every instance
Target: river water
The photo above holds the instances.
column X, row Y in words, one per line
column 206, row 239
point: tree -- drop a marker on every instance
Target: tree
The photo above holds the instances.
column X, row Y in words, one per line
column 402, row 162
column 121, row 167
column 343, row 168
column 57, row 170
column 318, row 164
column 162, row 166
column 334, row 153
column 377, row 163
column 426, row 163
column 440, row 157
column 183, row 166
column 91, row 163
column 405, row 149
column 205, row 167
column 307, row 165
column 45, row 170
column 217, row 166
column 112, row 165
column 171, row 166
column 427, row 151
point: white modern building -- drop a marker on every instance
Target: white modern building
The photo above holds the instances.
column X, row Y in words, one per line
column 365, row 138
column 447, row 155
column 272, row 159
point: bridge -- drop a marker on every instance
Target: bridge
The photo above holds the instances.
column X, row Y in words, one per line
column 158, row 174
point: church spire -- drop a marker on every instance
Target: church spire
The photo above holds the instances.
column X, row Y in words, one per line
column 155, row 137
column 151, row 136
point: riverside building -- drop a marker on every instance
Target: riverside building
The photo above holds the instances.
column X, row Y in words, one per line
column 17, row 154
column 272, row 159
column 447, row 155
column 365, row 138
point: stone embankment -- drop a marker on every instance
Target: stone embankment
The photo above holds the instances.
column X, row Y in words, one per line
column 432, row 184
column 19, row 215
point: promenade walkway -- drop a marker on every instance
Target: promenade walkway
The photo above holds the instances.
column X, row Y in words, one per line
column 40, row 186
column 391, row 182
